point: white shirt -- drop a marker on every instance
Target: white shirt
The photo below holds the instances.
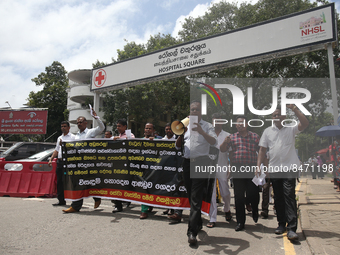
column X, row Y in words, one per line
column 92, row 132
column 63, row 137
column 166, row 137
column 195, row 145
column 222, row 156
column 281, row 144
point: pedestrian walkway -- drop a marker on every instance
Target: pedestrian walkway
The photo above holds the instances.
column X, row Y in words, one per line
column 319, row 206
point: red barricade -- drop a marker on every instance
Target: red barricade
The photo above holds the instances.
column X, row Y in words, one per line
column 36, row 179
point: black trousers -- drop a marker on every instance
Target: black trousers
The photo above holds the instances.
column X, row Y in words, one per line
column 118, row 204
column 285, row 202
column 265, row 196
column 60, row 182
column 76, row 205
column 195, row 190
column 244, row 186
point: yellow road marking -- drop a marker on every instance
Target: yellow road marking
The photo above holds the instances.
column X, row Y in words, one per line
column 288, row 246
column 297, row 188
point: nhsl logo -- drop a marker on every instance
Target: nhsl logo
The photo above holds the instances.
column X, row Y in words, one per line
column 312, row 25
column 238, row 103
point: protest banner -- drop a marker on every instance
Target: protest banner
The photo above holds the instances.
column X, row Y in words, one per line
column 139, row 170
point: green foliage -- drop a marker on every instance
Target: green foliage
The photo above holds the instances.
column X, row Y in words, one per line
column 131, row 50
column 66, row 114
column 52, row 96
column 98, row 64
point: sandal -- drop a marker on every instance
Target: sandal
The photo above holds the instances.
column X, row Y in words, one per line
column 228, row 216
column 211, row 224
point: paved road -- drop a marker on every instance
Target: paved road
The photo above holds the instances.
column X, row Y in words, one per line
column 319, row 206
column 34, row 226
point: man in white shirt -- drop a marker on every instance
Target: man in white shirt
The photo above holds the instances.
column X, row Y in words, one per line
column 196, row 153
column 85, row 133
column 222, row 177
column 283, row 166
column 66, row 135
column 169, row 135
column 168, row 132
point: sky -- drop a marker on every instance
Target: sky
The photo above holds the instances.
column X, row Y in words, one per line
column 77, row 33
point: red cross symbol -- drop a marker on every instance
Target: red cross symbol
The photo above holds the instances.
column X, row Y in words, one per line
column 99, row 78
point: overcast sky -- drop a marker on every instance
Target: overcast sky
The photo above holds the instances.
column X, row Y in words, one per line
column 34, row 33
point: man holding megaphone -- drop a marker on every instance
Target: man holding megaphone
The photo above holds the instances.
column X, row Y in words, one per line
column 196, row 141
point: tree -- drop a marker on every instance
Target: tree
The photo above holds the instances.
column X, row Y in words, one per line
column 52, row 96
column 98, row 64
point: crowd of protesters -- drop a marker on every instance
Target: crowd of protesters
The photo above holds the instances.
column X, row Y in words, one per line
column 274, row 149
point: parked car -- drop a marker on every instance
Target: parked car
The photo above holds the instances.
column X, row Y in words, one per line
column 43, row 156
column 22, row 150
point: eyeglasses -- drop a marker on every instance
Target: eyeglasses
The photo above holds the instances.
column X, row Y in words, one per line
column 79, row 122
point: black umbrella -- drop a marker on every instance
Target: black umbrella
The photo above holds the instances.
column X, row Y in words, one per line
column 328, row 131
